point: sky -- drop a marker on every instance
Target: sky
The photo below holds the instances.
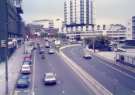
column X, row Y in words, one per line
column 106, row 11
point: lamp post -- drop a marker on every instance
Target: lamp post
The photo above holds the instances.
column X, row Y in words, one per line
column 93, row 38
column 6, row 47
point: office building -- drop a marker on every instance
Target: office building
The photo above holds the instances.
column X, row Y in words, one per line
column 116, row 32
column 131, row 29
column 78, row 15
column 11, row 24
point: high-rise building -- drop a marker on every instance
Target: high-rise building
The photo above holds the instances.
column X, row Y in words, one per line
column 131, row 28
column 78, row 15
column 11, row 24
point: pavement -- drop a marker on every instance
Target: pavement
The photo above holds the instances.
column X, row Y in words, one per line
column 114, row 78
column 14, row 65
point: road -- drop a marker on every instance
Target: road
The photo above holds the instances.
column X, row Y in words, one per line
column 112, row 78
column 68, row 83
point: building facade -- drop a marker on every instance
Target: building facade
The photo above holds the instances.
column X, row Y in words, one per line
column 117, row 32
column 131, row 29
column 78, row 15
column 11, row 25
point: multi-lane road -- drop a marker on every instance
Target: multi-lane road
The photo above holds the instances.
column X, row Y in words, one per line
column 115, row 79
column 68, row 83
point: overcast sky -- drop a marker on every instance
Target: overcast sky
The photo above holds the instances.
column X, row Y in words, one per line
column 107, row 11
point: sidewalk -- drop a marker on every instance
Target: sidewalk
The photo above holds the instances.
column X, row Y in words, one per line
column 14, row 65
column 110, row 58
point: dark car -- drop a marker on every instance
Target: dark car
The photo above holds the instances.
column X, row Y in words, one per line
column 23, row 82
column 41, row 51
column 43, row 56
column 25, row 77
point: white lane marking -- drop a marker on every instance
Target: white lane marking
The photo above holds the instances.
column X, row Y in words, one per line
column 63, row 92
column 33, row 78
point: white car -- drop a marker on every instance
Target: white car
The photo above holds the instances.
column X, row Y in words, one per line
column 87, row 55
column 25, row 69
column 50, row 78
column 51, row 51
column 47, row 45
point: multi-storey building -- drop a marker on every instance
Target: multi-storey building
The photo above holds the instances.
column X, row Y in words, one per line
column 115, row 32
column 131, row 29
column 11, row 25
column 78, row 15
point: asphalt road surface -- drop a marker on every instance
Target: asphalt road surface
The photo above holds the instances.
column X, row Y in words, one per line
column 116, row 80
column 68, row 83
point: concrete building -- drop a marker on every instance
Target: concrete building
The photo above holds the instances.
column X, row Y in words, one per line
column 115, row 32
column 131, row 29
column 11, row 25
column 34, row 28
column 78, row 15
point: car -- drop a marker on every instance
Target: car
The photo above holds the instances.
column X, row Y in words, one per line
column 25, row 69
column 51, row 51
column 49, row 78
column 28, row 55
column 41, row 51
column 27, row 62
column 25, row 77
column 22, row 82
column 47, row 45
column 43, row 56
column 87, row 55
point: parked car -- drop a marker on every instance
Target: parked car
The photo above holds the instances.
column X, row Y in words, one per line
column 49, row 78
column 25, row 77
column 22, row 82
column 28, row 60
column 27, row 63
column 28, row 55
column 25, row 69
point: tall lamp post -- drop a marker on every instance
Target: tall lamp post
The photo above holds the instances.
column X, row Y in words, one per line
column 93, row 38
column 6, row 47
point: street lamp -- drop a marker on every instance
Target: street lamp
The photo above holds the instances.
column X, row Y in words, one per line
column 93, row 38
column 6, row 48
